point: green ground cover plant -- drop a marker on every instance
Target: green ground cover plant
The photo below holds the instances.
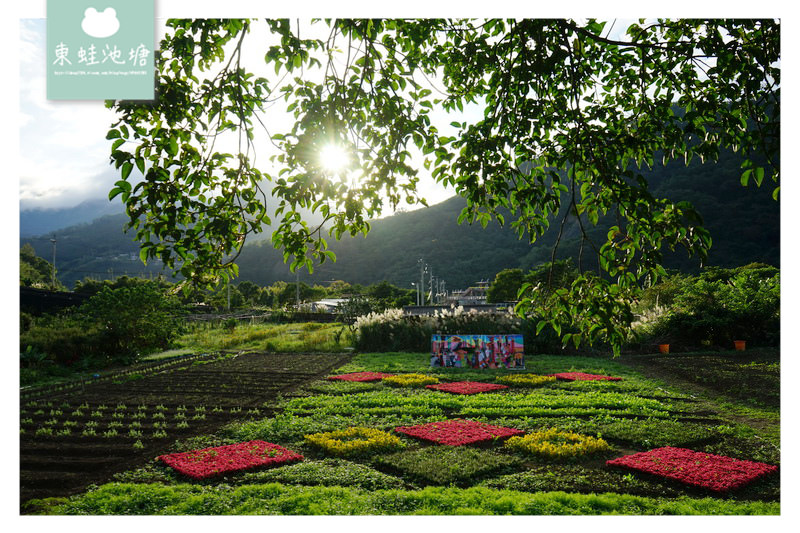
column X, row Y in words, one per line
column 447, row 465
column 578, row 478
column 536, row 403
column 327, row 472
column 275, row 498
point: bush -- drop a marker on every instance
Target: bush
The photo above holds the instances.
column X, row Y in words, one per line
column 134, row 320
column 116, row 325
column 714, row 308
column 393, row 330
column 64, row 339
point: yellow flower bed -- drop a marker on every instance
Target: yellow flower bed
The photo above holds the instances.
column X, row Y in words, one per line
column 525, row 380
column 354, row 440
column 557, row 443
column 410, row 380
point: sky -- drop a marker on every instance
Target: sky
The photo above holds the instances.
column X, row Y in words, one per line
column 64, row 155
column 63, row 151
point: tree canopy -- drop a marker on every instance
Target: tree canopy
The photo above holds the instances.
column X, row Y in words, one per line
column 568, row 116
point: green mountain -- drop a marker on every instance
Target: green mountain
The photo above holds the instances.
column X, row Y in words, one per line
column 744, row 223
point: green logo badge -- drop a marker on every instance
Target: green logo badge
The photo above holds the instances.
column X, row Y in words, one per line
column 100, row 49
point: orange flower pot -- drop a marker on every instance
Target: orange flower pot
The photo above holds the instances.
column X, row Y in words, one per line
column 739, row 345
column 663, row 348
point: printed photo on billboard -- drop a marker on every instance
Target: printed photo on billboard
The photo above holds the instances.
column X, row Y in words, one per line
column 478, row 351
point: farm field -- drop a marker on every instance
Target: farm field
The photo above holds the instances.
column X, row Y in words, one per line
column 73, row 435
column 371, row 447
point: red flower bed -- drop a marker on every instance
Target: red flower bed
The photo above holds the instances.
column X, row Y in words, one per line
column 209, row 462
column 713, row 472
column 466, row 387
column 457, row 432
column 361, row 376
column 582, row 376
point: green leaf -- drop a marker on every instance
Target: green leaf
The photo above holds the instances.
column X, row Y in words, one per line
column 759, row 175
column 127, row 167
column 746, row 177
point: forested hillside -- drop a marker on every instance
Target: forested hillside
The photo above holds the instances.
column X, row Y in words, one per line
column 744, row 223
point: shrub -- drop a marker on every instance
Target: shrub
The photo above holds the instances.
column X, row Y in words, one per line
column 135, row 320
column 714, row 308
column 116, row 325
column 555, row 443
column 64, row 339
column 392, row 330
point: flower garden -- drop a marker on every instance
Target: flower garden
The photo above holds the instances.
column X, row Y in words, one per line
column 386, row 434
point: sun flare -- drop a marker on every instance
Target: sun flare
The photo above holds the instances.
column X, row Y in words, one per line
column 333, row 157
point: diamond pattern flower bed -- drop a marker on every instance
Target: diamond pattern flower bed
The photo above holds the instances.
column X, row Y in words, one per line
column 582, row 376
column 467, row 387
column 410, row 380
column 714, row 472
column 209, row 462
column 354, row 441
column 457, row 432
column 556, row 443
column 361, row 376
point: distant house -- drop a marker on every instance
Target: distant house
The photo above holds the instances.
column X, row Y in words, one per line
column 475, row 295
column 328, row 305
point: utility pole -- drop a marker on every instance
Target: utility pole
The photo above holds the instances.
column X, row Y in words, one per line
column 422, row 268
column 297, row 288
column 53, row 276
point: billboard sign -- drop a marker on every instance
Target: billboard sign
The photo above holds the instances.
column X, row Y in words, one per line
column 478, row 351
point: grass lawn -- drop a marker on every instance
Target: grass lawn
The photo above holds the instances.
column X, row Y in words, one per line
column 294, row 337
column 635, row 414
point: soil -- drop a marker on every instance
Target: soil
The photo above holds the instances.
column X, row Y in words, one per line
column 750, row 378
column 139, row 413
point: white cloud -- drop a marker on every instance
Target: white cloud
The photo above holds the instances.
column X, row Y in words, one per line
column 63, row 151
